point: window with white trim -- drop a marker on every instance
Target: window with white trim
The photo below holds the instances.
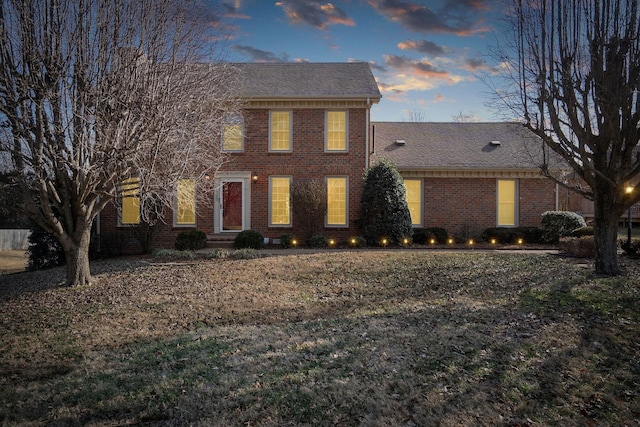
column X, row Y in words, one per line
column 280, row 201
column 185, row 211
column 130, row 205
column 413, row 189
column 337, row 201
column 507, row 203
column 280, row 131
column 336, row 131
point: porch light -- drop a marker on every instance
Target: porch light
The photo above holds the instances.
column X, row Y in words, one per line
column 255, row 177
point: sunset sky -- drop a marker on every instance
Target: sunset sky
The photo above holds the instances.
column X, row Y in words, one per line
column 428, row 57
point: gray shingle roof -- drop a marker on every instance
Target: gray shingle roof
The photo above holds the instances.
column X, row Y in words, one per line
column 308, row 80
column 457, row 146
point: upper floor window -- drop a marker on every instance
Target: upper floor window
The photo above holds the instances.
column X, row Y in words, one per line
column 337, row 201
column 413, row 188
column 280, row 131
column 336, row 131
column 232, row 134
column 185, row 211
column 507, row 196
column 280, row 201
column 130, row 205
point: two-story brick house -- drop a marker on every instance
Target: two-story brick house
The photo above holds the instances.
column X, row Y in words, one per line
column 300, row 121
column 306, row 121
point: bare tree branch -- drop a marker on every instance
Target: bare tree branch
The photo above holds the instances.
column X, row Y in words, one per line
column 96, row 91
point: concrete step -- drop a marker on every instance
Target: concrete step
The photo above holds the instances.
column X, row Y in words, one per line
column 224, row 241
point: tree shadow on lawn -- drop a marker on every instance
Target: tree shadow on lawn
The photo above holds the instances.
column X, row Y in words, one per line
column 16, row 284
column 451, row 363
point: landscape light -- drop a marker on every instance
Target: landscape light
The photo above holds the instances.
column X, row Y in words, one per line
column 432, row 241
column 294, row 242
column 493, row 241
column 520, row 241
column 384, row 242
column 405, row 241
column 450, row 241
column 332, row 242
column 470, row 241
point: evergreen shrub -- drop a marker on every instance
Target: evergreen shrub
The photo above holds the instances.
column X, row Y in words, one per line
column 190, row 240
column 557, row 224
column 249, row 239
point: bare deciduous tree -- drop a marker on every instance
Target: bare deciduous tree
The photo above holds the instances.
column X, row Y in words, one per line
column 93, row 92
column 575, row 69
column 309, row 204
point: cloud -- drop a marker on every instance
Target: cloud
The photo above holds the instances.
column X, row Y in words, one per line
column 258, row 55
column 423, row 46
column 438, row 98
column 314, row 13
column 406, row 74
column 233, row 11
column 452, row 18
column 474, row 65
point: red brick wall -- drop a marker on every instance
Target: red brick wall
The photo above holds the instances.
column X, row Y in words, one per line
column 469, row 204
column 307, row 160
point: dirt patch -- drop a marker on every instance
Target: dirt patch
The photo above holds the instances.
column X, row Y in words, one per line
column 12, row 261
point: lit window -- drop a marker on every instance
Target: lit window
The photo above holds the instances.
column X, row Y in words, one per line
column 232, row 130
column 186, row 203
column 414, row 200
column 130, row 210
column 337, row 201
column 280, row 131
column 279, row 201
column 336, row 131
column 506, row 202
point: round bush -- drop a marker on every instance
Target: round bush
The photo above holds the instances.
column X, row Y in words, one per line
column 557, row 224
column 318, row 241
column 190, row 240
column 246, row 253
column 248, row 239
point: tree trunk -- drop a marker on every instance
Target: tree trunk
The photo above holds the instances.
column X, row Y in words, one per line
column 606, row 217
column 77, row 255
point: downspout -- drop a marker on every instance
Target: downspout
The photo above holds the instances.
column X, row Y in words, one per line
column 366, row 166
column 557, row 196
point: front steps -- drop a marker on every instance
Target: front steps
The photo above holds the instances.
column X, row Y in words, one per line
column 223, row 241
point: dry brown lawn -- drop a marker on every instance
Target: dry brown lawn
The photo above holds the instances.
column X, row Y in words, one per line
column 12, row 261
column 373, row 338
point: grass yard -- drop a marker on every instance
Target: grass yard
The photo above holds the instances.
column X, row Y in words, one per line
column 375, row 338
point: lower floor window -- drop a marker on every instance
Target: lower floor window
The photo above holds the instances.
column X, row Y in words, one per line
column 185, row 212
column 337, row 201
column 413, row 189
column 279, row 201
column 130, row 206
column 507, row 192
